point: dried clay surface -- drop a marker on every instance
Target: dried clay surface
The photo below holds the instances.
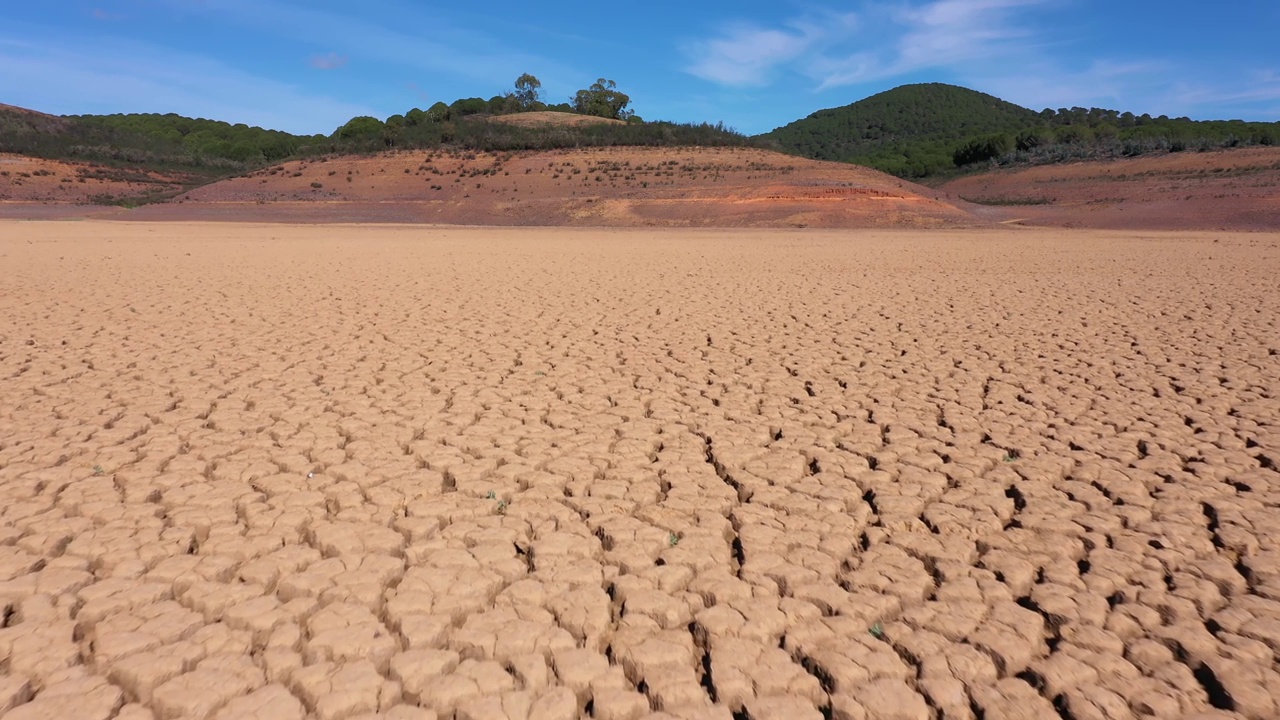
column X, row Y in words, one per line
column 409, row 472
column 1227, row 189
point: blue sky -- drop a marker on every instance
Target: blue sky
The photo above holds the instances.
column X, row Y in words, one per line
column 307, row 66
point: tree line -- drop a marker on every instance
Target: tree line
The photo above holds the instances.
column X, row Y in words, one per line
column 1079, row 133
column 418, row 127
column 212, row 146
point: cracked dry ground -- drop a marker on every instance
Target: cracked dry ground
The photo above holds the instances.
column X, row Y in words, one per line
column 338, row 472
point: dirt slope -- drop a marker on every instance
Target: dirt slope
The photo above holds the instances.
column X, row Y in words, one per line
column 27, row 180
column 1235, row 189
column 726, row 187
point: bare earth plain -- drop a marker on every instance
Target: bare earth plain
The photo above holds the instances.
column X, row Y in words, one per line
column 268, row 471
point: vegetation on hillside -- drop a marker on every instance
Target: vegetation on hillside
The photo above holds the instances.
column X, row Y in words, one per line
column 477, row 133
column 164, row 154
column 914, row 131
column 1078, row 134
column 206, row 140
column 923, row 130
column 119, row 140
column 208, row 149
column 908, row 131
column 464, row 124
column 189, row 152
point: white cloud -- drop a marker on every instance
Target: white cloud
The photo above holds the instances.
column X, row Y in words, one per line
column 950, row 31
column 941, row 34
column 880, row 41
column 746, row 55
column 1007, row 48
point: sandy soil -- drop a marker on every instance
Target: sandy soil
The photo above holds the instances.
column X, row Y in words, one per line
column 1234, row 189
column 615, row 187
column 277, row 472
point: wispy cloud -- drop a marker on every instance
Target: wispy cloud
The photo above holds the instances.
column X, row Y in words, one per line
column 1157, row 87
column 950, row 31
column 1008, row 48
column 944, row 33
column 880, row 41
column 1041, row 83
column 744, row 54
column 329, row 61
column 88, row 74
column 1259, row 86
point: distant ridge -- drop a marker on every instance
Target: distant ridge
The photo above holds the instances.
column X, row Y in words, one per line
column 15, row 110
column 928, row 132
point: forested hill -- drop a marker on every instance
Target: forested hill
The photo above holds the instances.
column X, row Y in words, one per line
column 912, row 127
column 200, row 148
column 208, row 148
column 931, row 129
column 198, row 137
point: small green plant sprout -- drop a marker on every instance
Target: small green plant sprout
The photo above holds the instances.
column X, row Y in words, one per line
column 491, row 496
column 673, row 539
column 97, row 470
column 877, row 631
column 1011, row 455
column 501, row 509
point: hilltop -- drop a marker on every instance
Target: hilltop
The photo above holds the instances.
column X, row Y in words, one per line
column 936, row 130
column 909, row 130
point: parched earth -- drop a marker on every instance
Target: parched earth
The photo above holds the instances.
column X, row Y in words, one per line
column 334, row 472
column 1228, row 189
column 600, row 187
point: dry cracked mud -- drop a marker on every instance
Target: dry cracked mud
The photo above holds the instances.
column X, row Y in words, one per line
column 409, row 472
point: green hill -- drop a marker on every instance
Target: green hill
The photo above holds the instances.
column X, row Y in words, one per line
column 911, row 130
column 931, row 129
column 198, row 139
